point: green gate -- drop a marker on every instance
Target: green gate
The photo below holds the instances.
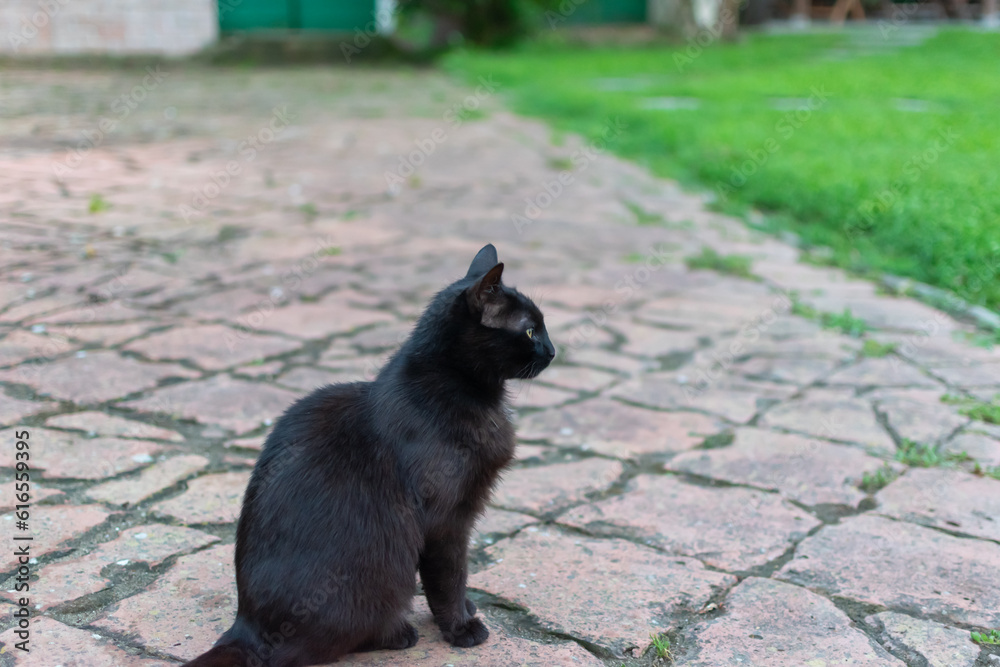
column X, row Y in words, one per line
column 607, row 11
column 331, row 15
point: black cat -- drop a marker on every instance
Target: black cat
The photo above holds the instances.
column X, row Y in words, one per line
column 362, row 485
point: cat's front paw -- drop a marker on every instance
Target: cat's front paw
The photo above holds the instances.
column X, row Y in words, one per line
column 471, row 633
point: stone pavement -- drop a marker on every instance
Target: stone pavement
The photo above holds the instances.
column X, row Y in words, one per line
column 703, row 461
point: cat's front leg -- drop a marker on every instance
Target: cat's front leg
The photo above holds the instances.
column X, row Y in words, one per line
column 443, row 571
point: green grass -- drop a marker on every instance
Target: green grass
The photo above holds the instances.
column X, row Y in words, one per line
column 984, row 411
column 992, row 637
column 661, row 644
column 874, row 481
column 873, row 348
column 919, row 455
column 734, row 265
column 857, row 172
column 843, row 322
column 97, row 204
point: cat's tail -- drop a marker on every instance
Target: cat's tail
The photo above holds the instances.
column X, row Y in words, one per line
column 236, row 648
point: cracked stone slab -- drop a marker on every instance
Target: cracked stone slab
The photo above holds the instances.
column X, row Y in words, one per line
column 234, row 404
column 939, row 645
column 978, row 375
column 13, row 410
column 735, row 400
column 20, row 345
column 157, row 477
column 882, row 372
column 981, row 447
column 732, row 529
column 799, row 371
column 834, row 416
column 61, row 455
column 208, row 499
column 498, row 522
column 75, row 577
column 502, row 649
column 98, row 423
column 919, row 416
column 810, row 471
column 185, row 610
column 617, row 429
column 948, row 499
column 95, row 377
column 610, row 592
column 54, row 643
column 767, row 622
column 548, row 488
column 578, row 378
column 211, row 346
column 534, row 395
column 315, row 320
column 904, row 567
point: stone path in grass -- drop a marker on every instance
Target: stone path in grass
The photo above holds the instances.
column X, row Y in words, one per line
column 710, row 459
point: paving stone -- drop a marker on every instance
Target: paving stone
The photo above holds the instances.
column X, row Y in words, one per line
column 209, row 499
column 578, row 378
column 882, row 372
column 729, row 528
column 533, row 395
column 50, row 526
column 809, row 471
column 799, row 371
column 617, row 429
column 227, row 304
column 771, row 623
column 903, row 567
column 610, row 592
column 981, row 447
column 979, row 375
column 951, row 500
column 939, row 645
column 308, row 379
column 72, row 456
column 94, row 378
column 20, row 345
column 53, row 643
column 265, row 371
column 920, row 417
column 599, row 358
column 13, row 410
column 500, row 650
column 185, row 610
column 315, row 320
column 647, row 341
column 73, row 578
column 152, row 480
column 499, row 522
column 548, row 488
column 105, row 335
column 211, row 346
column 736, row 400
column 233, row 404
column 832, row 415
column 98, row 423
column 527, row 452
column 254, row 442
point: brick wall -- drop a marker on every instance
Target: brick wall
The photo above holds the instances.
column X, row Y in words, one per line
column 172, row 27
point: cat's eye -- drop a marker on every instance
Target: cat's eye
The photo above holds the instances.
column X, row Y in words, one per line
column 531, row 333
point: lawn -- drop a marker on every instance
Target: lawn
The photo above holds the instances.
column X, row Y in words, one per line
column 887, row 153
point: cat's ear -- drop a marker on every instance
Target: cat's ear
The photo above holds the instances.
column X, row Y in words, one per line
column 487, row 290
column 485, row 260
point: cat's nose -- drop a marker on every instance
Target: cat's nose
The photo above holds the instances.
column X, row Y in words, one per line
column 550, row 351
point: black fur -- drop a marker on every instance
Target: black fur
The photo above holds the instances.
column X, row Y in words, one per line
column 361, row 485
